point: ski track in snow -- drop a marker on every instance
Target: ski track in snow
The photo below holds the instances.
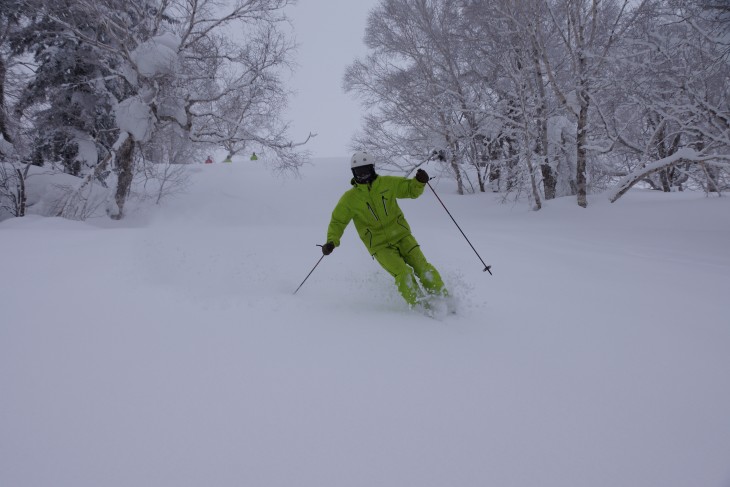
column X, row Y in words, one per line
column 169, row 350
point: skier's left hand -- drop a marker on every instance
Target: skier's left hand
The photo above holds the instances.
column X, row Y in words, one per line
column 328, row 248
column 422, row 176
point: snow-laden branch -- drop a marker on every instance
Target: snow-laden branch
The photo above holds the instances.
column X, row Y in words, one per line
column 683, row 154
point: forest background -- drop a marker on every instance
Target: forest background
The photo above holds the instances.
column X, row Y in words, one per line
column 533, row 99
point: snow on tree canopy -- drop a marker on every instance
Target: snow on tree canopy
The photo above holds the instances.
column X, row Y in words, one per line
column 157, row 55
column 135, row 117
column 173, row 108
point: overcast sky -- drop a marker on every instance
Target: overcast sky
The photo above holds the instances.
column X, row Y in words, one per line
column 329, row 33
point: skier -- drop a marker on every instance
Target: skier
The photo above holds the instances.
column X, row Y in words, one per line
column 371, row 204
column 254, row 157
column 209, row 160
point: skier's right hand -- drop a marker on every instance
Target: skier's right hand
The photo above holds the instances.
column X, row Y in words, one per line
column 328, row 248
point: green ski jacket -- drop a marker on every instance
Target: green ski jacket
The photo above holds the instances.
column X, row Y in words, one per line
column 373, row 207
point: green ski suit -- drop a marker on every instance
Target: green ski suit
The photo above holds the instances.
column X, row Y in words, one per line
column 385, row 232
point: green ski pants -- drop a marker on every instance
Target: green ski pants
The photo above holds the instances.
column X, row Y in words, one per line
column 404, row 259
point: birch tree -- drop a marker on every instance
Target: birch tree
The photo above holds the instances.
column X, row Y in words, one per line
column 588, row 31
column 420, row 84
column 517, row 54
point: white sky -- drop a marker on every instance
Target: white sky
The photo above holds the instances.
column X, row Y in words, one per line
column 329, row 34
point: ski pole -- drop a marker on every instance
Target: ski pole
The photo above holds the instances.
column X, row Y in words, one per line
column 487, row 268
column 310, row 272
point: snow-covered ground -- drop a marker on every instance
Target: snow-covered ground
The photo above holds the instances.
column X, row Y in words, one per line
column 168, row 349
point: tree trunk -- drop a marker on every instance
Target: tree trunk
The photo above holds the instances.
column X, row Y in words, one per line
column 712, row 175
column 580, row 177
column 664, row 178
column 481, row 167
column 494, row 173
column 511, row 165
column 22, row 199
column 549, row 181
column 457, row 172
column 533, row 183
column 3, row 116
column 125, row 163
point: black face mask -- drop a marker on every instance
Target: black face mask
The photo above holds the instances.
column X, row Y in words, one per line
column 364, row 174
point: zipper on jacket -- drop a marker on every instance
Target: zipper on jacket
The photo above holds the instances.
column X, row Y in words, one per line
column 372, row 211
column 370, row 245
column 385, row 209
column 399, row 222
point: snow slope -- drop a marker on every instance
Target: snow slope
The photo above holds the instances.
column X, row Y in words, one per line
column 168, row 349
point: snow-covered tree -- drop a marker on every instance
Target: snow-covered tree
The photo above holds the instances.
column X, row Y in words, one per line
column 488, row 83
column 114, row 75
column 554, row 96
column 424, row 92
column 588, row 33
column 678, row 80
column 70, row 96
column 11, row 15
column 14, row 14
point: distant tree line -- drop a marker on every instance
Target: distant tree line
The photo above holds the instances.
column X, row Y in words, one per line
column 101, row 88
column 550, row 98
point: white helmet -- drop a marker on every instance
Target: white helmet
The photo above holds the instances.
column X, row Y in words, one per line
column 361, row 159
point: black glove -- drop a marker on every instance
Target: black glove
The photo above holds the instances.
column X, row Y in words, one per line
column 328, row 248
column 421, row 176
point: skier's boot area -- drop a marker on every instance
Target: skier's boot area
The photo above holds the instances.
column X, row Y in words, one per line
column 408, row 287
